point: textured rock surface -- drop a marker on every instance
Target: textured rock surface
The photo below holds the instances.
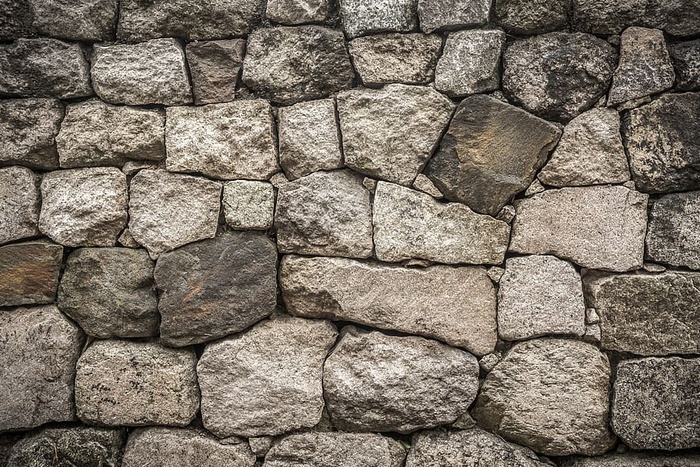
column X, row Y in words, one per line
column 39, row 348
column 214, row 67
column 673, row 233
column 376, row 382
column 635, row 459
column 527, row 17
column 136, row 383
column 29, row 273
column 490, row 152
column 360, row 17
column 248, row 205
column 686, row 62
column 19, row 203
column 550, row 395
column 87, row 20
column 298, row 11
column 390, row 133
column 266, row 381
column 452, row 14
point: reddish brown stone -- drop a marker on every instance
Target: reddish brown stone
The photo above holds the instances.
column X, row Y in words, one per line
column 29, row 273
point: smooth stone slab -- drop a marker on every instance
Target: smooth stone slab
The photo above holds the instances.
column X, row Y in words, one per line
column 214, row 68
column 361, row 17
column 298, row 11
column 86, row 20
column 452, row 14
column 686, row 62
column 19, row 203
column 527, row 18
column 673, row 234
column 29, row 273
column 249, row 205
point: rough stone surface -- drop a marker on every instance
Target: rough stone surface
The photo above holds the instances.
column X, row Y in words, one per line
column 109, row 292
column 410, row 224
column 452, row 14
column 325, row 213
column 170, row 210
column 558, row 75
column 375, row 382
column 390, row 133
column 656, row 403
column 15, row 22
column 29, row 273
column 686, row 62
column 39, row 348
column 635, row 459
column 136, row 383
column 19, row 203
column 266, row 381
column 490, row 152
column 673, row 234
column 152, row 72
column 249, row 205
column 426, row 185
column 361, row 17
column 415, row 301
column 291, row 64
column 226, row 141
column 550, row 395
column 298, row 11
column 87, row 20
column 567, row 223
column 527, row 17
column 215, row 67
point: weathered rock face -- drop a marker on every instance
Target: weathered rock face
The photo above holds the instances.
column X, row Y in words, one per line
column 249, row 205
column 567, row 223
column 557, row 75
column 452, row 14
column 136, row 383
column 214, row 67
column 19, row 203
column 673, row 235
column 409, row 224
column 39, row 347
column 29, row 273
column 291, row 64
column 390, row 133
column 525, row 17
column 298, row 11
column 490, row 152
column 634, row 459
column 16, row 21
column 91, row 20
column 266, row 381
column 361, row 17
column 656, row 403
column 375, row 382
column 686, row 62
column 550, row 395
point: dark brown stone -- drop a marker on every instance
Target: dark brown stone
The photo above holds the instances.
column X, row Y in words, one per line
column 29, row 273
column 686, row 61
column 214, row 67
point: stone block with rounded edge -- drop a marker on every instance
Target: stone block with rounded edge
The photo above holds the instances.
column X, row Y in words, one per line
column 214, row 68
column 361, row 17
column 685, row 57
column 452, row 14
column 673, row 235
column 87, row 20
column 248, row 204
column 29, row 273
column 526, row 17
column 294, row 12
column 19, row 211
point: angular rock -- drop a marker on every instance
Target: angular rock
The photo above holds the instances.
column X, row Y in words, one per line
column 44, row 68
column 215, row 67
column 590, row 152
column 686, row 62
column 230, row 140
column 83, row 207
column 470, row 62
column 152, row 72
column 673, row 235
column 87, row 20
column 452, row 14
column 39, row 348
column 19, row 203
column 550, row 395
column 249, row 205
column 426, row 185
column 527, row 18
column 490, row 152
column 567, row 223
column 94, row 133
column 266, row 381
column 390, row 133
column 410, row 224
column 361, row 17
column 395, row 58
column 325, row 213
column 558, row 75
column 635, row 459
column 291, row 64
column 298, row 11
column 656, row 403
column 170, row 210
column 109, row 292
column 136, row 383
column 29, row 273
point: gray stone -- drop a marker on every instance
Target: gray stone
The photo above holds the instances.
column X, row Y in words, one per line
column 527, row 17
column 170, row 210
column 656, row 403
column 152, row 72
column 325, row 213
column 27, row 131
column 390, row 133
column 15, row 22
column 266, row 381
column 452, row 14
column 44, row 68
column 292, row 64
column 260, row 445
column 94, row 133
column 550, row 395
column 136, row 383
column 87, row 20
column 558, row 75
column 590, row 152
column 29, row 273
column 673, row 235
column 410, row 224
column 298, row 11
column 686, row 62
column 19, row 203
column 126, row 240
column 395, row 58
column 635, row 459
column 226, row 141
column 375, row 382
column 39, row 348
column 109, row 292
column 360, row 17
column 415, row 301
column 534, row 188
column 470, row 62
column 567, row 223
column 131, row 168
column 249, row 205
column 336, row 450
column 215, row 67
column 490, row 152
column 426, row 185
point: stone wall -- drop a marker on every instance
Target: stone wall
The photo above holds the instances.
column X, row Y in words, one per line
column 378, row 233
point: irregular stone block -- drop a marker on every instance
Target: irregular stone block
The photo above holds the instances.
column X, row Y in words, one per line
column 452, row 14
column 375, row 382
column 410, row 224
column 29, row 273
column 19, row 210
column 390, row 133
column 16, row 22
column 673, row 236
column 83, row 207
column 298, row 11
column 686, row 61
column 360, row 17
column 656, row 403
column 527, row 18
column 87, row 20
column 28, row 128
column 291, row 64
column 136, row 383
column 426, row 185
column 266, row 381
column 215, row 67
column 231, row 140
column 567, row 223
column 550, row 395
column 39, row 347
column 635, row 459
column 490, row 152
column 152, row 72
column 558, row 75
column 249, row 205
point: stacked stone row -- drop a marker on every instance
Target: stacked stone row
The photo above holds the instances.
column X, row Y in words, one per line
column 378, row 233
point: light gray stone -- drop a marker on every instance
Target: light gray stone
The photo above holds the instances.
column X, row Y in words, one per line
column 426, row 185
column 87, row 20
column 673, row 235
column 635, row 459
column 29, row 273
column 452, row 14
column 249, row 205
column 361, row 17
column 298, row 11
column 686, row 62
column 214, row 68
column 527, row 17
column 260, row 445
column 19, row 203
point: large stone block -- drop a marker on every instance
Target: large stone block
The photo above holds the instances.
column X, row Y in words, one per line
column 452, row 14
column 673, row 236
column 214, row 68
column 527, row 17
column 299, row 11
column 29, row 273
column 360, row 17
column 686, row 62
column 86, row 20
column 248, row 204
column 19, row 210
